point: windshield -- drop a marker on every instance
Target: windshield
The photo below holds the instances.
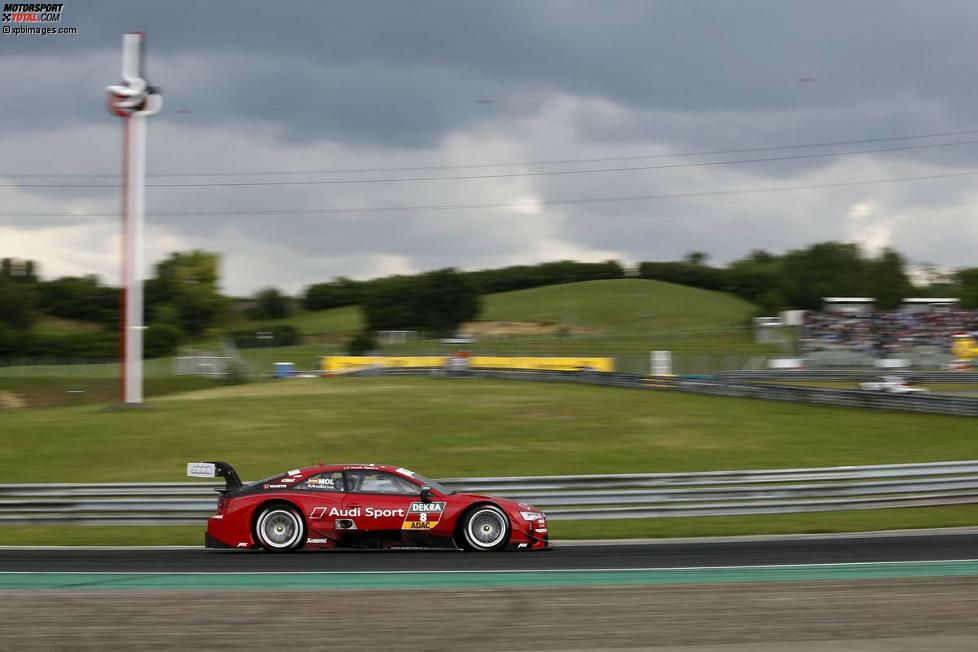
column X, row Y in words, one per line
column 437, row 486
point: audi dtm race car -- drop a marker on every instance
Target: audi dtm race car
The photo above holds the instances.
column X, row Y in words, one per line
column 362, row 506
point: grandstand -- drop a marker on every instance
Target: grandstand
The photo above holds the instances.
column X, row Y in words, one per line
column 851, row 331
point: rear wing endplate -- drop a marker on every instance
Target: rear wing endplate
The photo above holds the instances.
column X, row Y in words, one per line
column 214, row 470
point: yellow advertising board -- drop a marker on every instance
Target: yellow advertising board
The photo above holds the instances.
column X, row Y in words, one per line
column 544, row 363
column 338, row 364
column 964, row 347
column 345, row 363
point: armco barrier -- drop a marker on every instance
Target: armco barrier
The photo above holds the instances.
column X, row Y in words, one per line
column 966, row 406
column 643, row 495
column 747, row 375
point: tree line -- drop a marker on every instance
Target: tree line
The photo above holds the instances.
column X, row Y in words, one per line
column 182, row 301
column 183, row 298
column 800, row 278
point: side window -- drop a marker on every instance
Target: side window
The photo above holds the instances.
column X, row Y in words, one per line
column 380, row 482
column 332, row 481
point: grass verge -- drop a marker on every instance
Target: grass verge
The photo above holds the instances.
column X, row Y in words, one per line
column 653, row 528
column 69, row 390
column 462, row 427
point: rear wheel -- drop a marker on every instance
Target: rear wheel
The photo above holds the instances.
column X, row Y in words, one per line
column 485, row 528
column 279, row 528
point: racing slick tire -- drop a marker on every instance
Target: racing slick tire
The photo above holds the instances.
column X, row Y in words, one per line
column 485, row 528
column 280, row 528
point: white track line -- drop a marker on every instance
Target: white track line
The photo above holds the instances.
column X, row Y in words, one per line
column 571, row 543
column 847, row 564
column 773, row 538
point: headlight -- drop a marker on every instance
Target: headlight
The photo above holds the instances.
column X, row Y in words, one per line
column 531, row 516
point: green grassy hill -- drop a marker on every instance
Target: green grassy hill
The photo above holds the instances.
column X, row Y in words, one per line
column 625, row 318
column 619, row 310
column 332, row 324
column 613, row 317
column 621, row 306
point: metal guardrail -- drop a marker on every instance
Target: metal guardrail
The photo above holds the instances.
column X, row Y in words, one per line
column 746, row 375
column 642, row 495
column 964, row 406
column 929, row 403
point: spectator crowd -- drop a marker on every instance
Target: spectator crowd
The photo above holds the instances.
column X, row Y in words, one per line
column 885, row 333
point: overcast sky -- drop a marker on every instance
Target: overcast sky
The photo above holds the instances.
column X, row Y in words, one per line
column 493, row 88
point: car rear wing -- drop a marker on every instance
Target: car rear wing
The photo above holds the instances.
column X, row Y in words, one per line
column 214, row 470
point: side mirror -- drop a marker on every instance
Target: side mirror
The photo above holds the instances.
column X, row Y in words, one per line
column 427, row 495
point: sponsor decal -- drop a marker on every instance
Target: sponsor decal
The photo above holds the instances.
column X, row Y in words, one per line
column 427, row 507
column 317, row 540
column 288, row 480
column 406, row 472
column 340, row 363
column 201, row 470
column 423, row 516
column 358, row 512
column 396, row 547
column 242, row 545
column 275, row 486
column 373, row 512
column 328, row 483
column 295, row 472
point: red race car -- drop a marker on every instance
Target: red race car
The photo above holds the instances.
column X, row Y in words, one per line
column 362, row 506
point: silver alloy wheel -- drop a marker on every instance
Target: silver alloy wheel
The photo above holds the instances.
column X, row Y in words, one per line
column 487, row 528
column 279, row 529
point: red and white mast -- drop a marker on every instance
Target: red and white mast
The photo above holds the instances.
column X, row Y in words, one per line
column 133, row 100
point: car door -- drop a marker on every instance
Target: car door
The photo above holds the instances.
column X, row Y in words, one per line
column 379, row 500
column 322, row 501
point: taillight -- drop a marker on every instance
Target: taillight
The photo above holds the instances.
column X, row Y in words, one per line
column 222, row 504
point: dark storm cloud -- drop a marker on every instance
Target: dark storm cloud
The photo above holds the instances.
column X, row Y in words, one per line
column 324, row 85
column 408, row 72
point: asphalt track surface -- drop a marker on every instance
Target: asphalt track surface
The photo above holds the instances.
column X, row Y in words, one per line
column 820, row 550
column 150, row 604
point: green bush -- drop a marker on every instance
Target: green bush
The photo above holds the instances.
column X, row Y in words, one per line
column 362, row 343
column 238, row 372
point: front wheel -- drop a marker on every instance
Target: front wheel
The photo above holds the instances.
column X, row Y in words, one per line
column 279, row 528
column 485, row 528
